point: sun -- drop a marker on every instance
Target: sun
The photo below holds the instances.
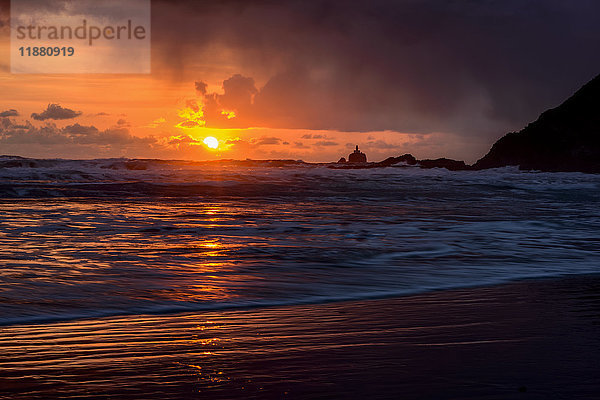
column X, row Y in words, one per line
column 211, row 142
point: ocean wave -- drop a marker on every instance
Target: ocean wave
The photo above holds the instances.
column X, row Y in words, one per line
column 95, row 238
column 38, row 178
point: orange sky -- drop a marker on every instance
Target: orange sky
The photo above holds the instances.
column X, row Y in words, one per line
column 299, row 87
column 156, row 106
column 153, row 105
column 149, row 105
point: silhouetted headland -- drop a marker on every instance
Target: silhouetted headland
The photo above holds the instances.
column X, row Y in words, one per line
column 562, row 139
column 565, row 138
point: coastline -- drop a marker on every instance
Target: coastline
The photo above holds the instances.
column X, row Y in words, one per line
column 527, row 339
column 268, row 304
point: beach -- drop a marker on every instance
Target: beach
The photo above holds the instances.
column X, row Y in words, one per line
column 299, row 200
column 267, row 282
column 533, row 339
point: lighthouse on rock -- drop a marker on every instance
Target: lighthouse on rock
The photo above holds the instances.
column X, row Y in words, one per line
column 357, row 156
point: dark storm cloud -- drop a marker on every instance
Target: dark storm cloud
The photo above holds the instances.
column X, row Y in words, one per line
column 9, row 113
column 56, row 112
column 472, row 67
column 238, row 95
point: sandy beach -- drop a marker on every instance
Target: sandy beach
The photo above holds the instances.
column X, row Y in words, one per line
column 525, row 340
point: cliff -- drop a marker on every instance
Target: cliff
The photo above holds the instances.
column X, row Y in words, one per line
column 565, row 138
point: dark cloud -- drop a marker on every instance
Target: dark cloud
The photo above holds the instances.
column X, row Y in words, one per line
column 56, row 112
column 470, row 67
column 77, row 130
column 9, row 113
column 117, row 137
column 238, row 96
column 201, row 87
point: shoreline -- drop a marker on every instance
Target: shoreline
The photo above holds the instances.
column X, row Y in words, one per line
column 527, row 339
column 226, row 307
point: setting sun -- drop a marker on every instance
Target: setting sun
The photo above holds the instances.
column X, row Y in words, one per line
column 211, row 142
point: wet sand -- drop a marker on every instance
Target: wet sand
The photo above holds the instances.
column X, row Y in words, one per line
column 525, row 340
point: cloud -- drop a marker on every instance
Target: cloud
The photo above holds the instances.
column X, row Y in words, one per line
column 76, row 134
column 9, row 113
column 326, row 143
column 79, row 130
column 300, row 145
column 477, row 68
column 56, row 112
column 234, row 141
column 183, row 139
column 157, row 122
column 265, row 141
column 313, row 136
column 379, row 144
column 234, row 107
column 252, row 143
column 192, row 114
column 201, row 87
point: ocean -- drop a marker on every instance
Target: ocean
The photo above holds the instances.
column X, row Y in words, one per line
column 83, row 239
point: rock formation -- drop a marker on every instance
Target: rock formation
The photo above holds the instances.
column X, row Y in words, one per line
column 447, row 163
column 565, row 138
